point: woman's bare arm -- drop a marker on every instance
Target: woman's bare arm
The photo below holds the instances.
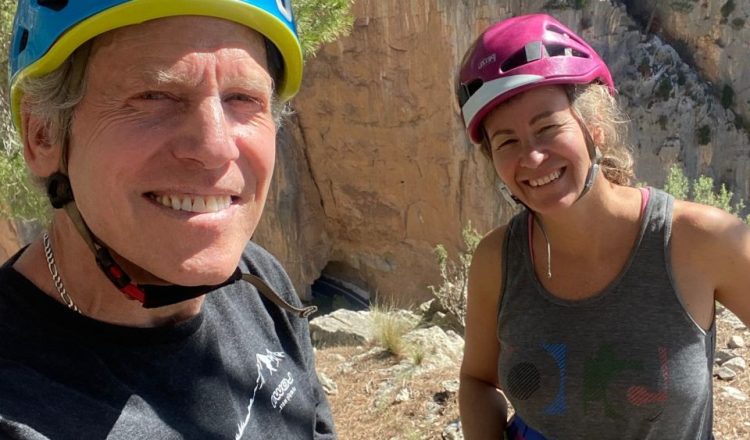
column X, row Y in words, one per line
column 483, row 408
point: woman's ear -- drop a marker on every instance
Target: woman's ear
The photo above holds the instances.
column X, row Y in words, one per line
column 597, row 135
column 42, row 155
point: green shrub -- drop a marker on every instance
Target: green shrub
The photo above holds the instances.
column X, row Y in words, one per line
column 663, row 89
column 451, row 294
column 322, row 21
column 683, row 6
column 677, row 183
column 727, row 96
column 701, row 190
column 704, row 135
column 727, row 8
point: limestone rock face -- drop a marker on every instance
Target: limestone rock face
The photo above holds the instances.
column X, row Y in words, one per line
column 713, row 34
column 378, row 170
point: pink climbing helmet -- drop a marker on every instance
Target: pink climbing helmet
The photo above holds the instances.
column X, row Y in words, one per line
column 519, row 54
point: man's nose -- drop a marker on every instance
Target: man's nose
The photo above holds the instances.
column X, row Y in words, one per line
column 210, row 141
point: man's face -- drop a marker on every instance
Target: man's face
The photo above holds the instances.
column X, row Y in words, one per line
column 172, row 147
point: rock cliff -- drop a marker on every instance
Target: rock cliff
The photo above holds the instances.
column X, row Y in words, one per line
column 375, row 170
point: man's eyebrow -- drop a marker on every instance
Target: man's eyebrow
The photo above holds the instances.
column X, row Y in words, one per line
column 160, row 77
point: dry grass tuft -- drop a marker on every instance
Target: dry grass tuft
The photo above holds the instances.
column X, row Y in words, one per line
column 389, row 329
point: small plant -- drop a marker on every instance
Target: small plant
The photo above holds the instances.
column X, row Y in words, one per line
column 727, row 96
column 704, row 135
column 681, row 79
column 663, row 89
column 727, row 8
column 322, row 21
column 683, row 6
column 417, row 355
column 677, row 183
column 451, row 294
column 662, row 121
column 389, row 328
column 644, row 67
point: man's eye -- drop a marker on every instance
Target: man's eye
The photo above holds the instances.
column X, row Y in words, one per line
column 241, row 97
column 152, row 96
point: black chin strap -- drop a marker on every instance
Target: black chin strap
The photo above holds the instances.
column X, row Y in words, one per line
column 151, row 296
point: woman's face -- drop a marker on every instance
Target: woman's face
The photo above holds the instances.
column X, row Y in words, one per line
column 538, row 148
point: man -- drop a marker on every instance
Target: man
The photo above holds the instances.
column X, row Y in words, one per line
column 143, row 312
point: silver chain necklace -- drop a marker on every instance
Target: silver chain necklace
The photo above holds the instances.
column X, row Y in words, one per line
column 67, row 300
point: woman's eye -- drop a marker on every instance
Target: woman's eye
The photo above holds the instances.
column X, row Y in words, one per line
column 503, row 144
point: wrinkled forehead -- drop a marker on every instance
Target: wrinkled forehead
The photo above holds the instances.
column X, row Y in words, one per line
column 152, row 49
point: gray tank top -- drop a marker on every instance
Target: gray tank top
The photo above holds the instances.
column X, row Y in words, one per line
column 627, row 363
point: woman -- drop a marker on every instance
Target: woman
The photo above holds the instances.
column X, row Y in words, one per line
column 593, row 309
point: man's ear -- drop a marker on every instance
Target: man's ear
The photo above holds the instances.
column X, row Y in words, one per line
column 41, row 154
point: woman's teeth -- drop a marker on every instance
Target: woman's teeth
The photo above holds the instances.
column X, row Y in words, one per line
column 545, row 180
column 198, row 204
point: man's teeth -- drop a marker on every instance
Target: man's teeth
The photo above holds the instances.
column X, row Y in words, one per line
column 195, row 203
column 545, row 180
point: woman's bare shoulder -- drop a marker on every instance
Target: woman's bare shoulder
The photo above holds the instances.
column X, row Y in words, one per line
column 703, row 224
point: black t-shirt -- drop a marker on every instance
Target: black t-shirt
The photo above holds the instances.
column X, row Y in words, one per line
column 241, row 369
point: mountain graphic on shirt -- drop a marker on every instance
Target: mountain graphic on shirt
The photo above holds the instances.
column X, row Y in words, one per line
column 266, row 364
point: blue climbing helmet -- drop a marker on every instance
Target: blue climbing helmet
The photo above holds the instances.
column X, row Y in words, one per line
column 47, row 32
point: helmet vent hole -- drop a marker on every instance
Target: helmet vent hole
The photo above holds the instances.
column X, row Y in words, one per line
column 55, row 5
column 558, row 50
column 557, row 30
column 516, row 60
column 473, row 86
column 23, row 40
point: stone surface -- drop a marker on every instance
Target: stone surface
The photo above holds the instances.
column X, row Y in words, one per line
column 736, row 341
column 438, row 346
column 713, row 35
column 733, row 393
column 342, row 327
column 725, row 373
column 737, row 364
column 453, row 431
column 329, row 386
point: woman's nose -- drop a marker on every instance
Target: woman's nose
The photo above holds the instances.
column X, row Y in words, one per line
column 533, row 155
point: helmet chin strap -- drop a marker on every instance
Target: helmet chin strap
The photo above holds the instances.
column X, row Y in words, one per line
column 149, row 295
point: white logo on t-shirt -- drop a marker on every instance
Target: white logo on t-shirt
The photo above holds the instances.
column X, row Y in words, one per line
column 268, row 364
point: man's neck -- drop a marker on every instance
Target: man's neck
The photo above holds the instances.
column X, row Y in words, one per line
column 89, row 289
